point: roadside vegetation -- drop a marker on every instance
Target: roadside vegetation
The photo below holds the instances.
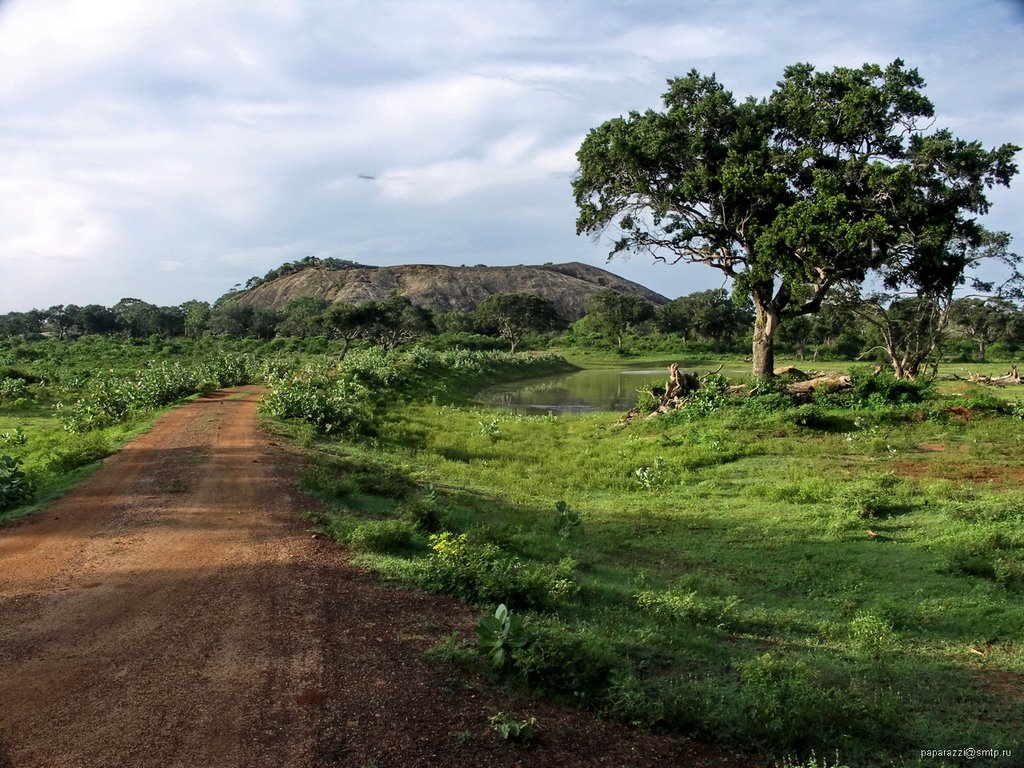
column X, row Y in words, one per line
column 843, row 573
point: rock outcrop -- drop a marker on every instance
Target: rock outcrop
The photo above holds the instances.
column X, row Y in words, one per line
column 448, row 288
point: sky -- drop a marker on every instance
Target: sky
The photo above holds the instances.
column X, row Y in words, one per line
column 169, row 151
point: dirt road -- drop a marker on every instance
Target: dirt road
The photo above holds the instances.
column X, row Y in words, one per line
column 174, row 610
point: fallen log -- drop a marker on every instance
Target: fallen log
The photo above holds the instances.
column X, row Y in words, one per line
column 831, row 381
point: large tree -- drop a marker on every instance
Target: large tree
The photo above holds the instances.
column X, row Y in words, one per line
column 816, row 185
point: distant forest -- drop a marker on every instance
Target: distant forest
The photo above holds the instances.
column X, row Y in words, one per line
column 965, row 329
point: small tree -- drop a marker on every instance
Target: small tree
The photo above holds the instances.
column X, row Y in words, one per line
column 614, row 314
column 709, row 315
column 345, row 322
column 303, row 317
column 514, row 315
column 983, row 320
column 394, row 321
column 912, row 308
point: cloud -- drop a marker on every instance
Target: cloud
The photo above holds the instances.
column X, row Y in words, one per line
column 160, row 149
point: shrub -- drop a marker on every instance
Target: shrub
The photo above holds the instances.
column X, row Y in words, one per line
column 873, row 636
column 484, row 572
column 15, row 486
column 383, row 536
column 784, row 707
column 884, row 387
column 565, row 664
column 426, row 514
column 686, row 607
column 873, row 498
column 79, row 451
column 1009, row 571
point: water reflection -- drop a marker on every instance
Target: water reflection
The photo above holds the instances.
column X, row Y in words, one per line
column 594, row 389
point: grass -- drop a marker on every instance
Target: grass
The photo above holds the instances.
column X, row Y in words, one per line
column 835, row 578
column 741, row 576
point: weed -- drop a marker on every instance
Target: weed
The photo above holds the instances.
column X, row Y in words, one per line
column 650, row 477
column 873, row 636
column 484, row 572
column 511, row 729
column 784, row 708
column 14, row 437
column 566, row 519
column 15, row 487
column 500, row 634
column 490, row 429
column 687, row 607
column 812, row 762
column 453, row 649
column 573, row 665
column 427, row 513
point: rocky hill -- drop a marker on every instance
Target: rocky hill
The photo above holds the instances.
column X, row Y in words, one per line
column 447, row 288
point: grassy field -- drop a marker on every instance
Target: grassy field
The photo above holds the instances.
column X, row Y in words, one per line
column 840, row 575
column 843, row 575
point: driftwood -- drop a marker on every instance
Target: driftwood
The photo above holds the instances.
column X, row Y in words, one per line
column 1010, row 377
column 832, row 380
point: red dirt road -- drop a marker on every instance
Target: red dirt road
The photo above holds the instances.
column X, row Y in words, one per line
column 174, row 610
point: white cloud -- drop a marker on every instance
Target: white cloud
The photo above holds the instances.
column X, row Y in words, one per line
column 156, row 149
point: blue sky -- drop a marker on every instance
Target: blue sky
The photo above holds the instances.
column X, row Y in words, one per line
column 167, row 151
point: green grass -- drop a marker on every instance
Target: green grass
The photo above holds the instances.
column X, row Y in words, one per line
column 843, row 577
column 741, row 577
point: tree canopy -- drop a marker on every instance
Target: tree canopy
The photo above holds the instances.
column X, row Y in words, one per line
column 830, row 177
column 514, row 315
column 615, row 313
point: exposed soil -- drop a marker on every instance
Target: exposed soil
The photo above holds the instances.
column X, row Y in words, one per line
column 174, row 610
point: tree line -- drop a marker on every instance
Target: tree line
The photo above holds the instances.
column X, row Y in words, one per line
column 911, row 332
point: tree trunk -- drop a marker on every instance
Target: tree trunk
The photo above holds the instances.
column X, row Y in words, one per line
column 766, row 320
column 981, row 349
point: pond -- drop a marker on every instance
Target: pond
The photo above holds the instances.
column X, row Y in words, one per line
column 592, row 389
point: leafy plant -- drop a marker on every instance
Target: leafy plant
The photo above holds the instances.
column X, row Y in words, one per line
column 566, row 519
column 15, row 486
column 481, row 572
column 490, row 429
column 511, row 729
column 500, row 634
column 652, row 476
column 14, row 437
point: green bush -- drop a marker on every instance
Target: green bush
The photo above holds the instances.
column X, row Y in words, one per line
column 426, row 514
column 687, row 607
column 78, row 451
column 382, row 536
column 884, row 387
column 485, row 573
column 15, row 486
column 873, row 636
column 570, row 665
column 784, row 707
